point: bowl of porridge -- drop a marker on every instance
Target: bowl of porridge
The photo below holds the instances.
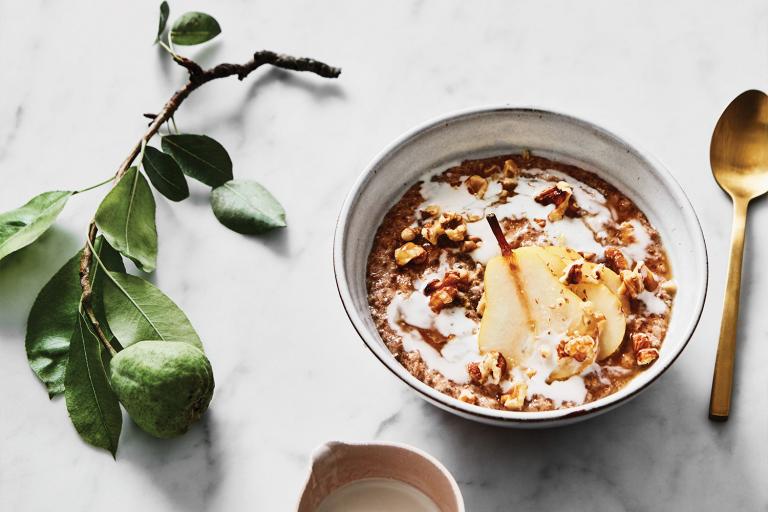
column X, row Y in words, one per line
column 520, row 267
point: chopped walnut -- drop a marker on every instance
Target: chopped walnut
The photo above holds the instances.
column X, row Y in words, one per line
column 615, row 259
column 449, row 224
column 588, row 256
column 444, row 292
column 467, row 396
column 541, row 222
column 458, row 233
column 641, row 340
column 431, row 211
column 431, row 232
column 473, row 369
column 560, row 196
column 574, row 355
column 646, row 356
column 408, row 234
column 573, row 273
column 626, row 233
column 577, row 347
column 409, row 252
column 477, row 185
column 511, row 170
column 492, row 369
column 442, row 298
column 457, row 278
column 514, row 398
column 646, row 347
column 631, row 283
column 650, row 281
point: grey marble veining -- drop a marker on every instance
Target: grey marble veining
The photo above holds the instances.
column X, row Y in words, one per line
column 77, row 76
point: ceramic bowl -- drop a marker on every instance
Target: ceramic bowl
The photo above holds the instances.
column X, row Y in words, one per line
column 485, row 132
column 336, row 464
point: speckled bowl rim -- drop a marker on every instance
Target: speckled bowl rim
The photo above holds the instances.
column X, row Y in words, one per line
column 493, row 416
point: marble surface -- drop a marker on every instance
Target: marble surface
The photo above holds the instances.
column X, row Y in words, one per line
column 291, row 372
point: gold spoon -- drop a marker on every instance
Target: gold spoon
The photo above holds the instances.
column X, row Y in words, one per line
column 739, row 158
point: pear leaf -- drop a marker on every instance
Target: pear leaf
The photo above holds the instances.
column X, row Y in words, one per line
column 194, row 28
column 246, row 207
column 200, row 157
column 92, row 405
column 51, row 323
column 114, row 262
column 137, row 311
column 126, row 217
column 24, row 225
column 165, row 11
column 53, row 316
column 165, row 174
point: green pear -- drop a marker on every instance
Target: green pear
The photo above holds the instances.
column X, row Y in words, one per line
column 165, row 386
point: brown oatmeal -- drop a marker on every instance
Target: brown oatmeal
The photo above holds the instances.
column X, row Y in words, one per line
column 425, row 301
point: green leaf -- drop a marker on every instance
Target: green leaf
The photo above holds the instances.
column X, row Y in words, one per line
column 246, row 207
column 194, row 28
column 91, row 403
column 200, row 157
column 24, row 225
column 53, row 317
column 165, row 174
column 164, row 12
column 112, row 260
column 51, row 324
column 126, row 217
column 139, row 311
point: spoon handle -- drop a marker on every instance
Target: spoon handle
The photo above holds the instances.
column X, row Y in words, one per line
column 722, row 381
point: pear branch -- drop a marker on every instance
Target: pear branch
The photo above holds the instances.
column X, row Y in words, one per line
column 197, row 77
column 506, row 250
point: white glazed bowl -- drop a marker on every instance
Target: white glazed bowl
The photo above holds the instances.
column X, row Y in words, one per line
column 484, row 132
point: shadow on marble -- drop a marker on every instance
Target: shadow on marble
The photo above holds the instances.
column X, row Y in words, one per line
column 751, row 294
column 25, row 272
column 187, row 468
column 319, row 89
column 630, row 458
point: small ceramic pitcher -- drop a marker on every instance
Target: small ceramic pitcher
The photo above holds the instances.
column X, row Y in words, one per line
column 335, row 464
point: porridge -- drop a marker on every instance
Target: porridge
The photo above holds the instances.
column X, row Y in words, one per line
column 521, row 283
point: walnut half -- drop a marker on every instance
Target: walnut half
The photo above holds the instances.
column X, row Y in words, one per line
column 409, row 252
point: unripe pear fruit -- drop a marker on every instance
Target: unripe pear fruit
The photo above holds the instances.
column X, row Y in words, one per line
column 164, row 385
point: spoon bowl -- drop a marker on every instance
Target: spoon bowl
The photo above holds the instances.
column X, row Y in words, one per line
column 739, row 158
column 739, row 150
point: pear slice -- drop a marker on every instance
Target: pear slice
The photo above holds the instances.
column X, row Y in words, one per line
column 507, row 325
column 606, row 302
column 555, row 308
column 525, row 299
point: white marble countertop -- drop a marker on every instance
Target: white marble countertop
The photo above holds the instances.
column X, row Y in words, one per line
column 291, row 372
